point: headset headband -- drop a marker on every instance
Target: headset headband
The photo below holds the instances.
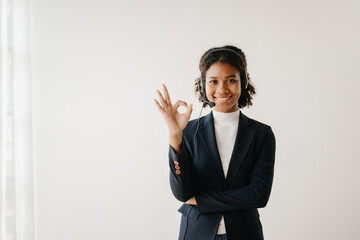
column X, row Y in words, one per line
column 224, row 49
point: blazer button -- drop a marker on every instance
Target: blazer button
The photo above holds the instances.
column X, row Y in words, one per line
column 176, row 162
column 177, row 167
column 178, row 172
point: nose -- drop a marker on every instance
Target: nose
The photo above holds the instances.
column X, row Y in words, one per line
column 222, row 88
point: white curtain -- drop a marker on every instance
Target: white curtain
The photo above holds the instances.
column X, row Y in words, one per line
column 16, row 163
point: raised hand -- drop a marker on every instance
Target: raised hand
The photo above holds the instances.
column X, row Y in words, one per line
column 175, row 121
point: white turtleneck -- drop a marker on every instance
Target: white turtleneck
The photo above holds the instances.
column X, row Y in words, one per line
column 226, row 126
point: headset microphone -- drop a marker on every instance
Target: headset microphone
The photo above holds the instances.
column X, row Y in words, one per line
column 212, row 104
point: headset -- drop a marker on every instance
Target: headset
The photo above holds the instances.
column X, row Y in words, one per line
column 201, row 85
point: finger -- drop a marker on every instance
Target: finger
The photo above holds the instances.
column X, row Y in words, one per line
column 179, row 103
column 167, row 96
column 189, row 111
column 158, row 106
column 163, row 103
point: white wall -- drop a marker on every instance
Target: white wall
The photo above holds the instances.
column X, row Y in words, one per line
column 101, row 167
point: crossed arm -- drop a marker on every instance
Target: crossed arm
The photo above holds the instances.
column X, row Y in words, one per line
column 255, row 195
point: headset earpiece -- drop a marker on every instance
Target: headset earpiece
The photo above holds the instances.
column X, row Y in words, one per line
column 202, row 85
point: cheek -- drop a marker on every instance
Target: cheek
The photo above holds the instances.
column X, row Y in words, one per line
column 237, row 92
column 209, row 92
column 236, row 89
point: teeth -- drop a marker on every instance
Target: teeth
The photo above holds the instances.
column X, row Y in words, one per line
column 223, row 99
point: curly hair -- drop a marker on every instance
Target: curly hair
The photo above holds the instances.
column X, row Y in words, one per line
column 233, row 59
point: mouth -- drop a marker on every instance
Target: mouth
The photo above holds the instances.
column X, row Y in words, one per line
column 222, row 99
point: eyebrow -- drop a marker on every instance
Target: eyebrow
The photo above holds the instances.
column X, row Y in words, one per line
column 225, row 77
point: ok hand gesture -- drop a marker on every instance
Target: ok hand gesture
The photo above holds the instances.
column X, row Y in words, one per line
column 175, row 121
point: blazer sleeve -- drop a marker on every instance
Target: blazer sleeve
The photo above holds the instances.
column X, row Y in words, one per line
column 254, row 195
column 182, row 176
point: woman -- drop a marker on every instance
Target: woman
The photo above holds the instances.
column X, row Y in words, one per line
column 222, row 164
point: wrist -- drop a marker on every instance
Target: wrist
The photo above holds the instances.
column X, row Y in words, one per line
column 175, row 141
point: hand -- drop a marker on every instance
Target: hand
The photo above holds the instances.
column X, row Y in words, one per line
column 191, row 201
column 175, row 121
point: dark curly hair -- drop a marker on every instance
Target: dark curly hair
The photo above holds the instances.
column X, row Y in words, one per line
column 234, row 60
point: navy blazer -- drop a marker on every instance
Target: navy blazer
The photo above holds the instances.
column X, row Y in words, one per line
column 197, row 171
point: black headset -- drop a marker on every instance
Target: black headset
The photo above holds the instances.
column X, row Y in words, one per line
column 201, row 85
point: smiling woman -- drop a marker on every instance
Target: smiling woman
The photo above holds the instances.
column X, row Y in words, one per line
column 232, row 60
column 223, row 87
column 224, row 171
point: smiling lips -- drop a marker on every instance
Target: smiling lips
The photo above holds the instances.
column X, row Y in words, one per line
column 224, row 99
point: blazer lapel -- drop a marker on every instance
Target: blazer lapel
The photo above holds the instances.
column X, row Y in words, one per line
column 206, row 134
column 244, row 137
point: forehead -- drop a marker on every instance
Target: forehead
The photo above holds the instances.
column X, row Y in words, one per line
column 220, row 69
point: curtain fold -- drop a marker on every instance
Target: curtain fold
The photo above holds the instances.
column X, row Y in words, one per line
column 16, row 143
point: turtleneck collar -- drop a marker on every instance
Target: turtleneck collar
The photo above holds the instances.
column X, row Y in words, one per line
column 226, row 117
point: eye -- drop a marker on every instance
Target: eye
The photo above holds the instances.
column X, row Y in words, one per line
column 213, row 81
column 232, row 80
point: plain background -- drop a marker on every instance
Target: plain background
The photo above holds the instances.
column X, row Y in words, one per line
column 101, row 166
